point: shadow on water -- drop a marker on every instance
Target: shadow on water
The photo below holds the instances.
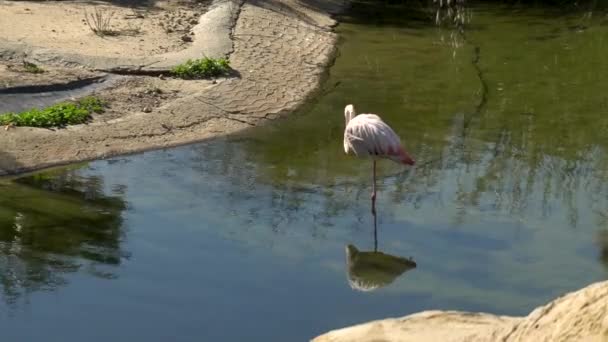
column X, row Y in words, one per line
column 55, row 224
column 413, row 15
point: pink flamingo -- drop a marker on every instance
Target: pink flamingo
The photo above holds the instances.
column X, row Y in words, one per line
column 366, row 135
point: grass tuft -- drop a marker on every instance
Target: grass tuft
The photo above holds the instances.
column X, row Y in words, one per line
column 100, row 22
column 32, row 68
column 202, row 68
column 59, row 115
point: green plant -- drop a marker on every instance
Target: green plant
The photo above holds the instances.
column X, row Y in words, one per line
column 92, row 104
column 59, row 115
column 32, row 68
column 202, row 68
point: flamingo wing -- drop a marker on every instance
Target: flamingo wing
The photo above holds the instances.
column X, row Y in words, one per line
column 366, row 135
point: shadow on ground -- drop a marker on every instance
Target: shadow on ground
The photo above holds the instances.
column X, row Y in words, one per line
column 142, row 4
column 8, row 163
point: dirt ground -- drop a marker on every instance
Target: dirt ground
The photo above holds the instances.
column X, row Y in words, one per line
column 143, row 95
column 133, row 28
column 137, row 29
column 127, row 96
column 14, row 74
column 279, row 56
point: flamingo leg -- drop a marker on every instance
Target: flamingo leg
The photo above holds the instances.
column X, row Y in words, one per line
column 374, row 188
column 375, row 233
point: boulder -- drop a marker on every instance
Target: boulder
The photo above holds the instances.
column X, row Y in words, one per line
column 576, row 316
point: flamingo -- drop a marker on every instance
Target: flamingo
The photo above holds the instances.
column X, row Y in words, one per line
column 366, row 135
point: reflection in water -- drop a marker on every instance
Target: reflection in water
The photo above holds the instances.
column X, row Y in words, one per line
column 51, row 225
column 513, row 156
column 368, row 271
column 511, row 142
column 452, row 17
column 603, row 244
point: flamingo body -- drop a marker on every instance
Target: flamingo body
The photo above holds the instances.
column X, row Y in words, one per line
column 366, row 135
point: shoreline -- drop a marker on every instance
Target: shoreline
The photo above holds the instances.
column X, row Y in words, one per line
column 282, row 54
column 580, row 315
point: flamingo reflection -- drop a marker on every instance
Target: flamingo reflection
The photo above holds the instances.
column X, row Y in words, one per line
column 368, row 271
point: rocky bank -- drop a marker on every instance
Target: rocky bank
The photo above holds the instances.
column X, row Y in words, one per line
column 577, row 316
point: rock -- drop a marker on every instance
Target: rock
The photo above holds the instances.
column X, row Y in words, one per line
column 186, row 38
column 147, row 110
column 193, row 21
column 577, row 316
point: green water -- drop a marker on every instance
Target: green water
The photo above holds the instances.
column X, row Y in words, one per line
column 245, row 237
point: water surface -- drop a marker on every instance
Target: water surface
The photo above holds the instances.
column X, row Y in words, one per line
column 244, row 238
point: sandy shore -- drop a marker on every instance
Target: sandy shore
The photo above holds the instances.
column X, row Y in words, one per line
column 280, row 50
column 135, row 31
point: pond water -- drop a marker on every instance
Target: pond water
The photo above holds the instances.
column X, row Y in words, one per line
column 244, row 238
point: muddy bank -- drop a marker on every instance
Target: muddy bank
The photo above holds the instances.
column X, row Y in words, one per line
column 280, row 53
column 577, row 316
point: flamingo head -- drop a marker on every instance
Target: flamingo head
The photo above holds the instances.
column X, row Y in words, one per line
column 349, row 113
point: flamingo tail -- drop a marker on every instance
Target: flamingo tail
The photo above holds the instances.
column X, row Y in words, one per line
column 400, row 155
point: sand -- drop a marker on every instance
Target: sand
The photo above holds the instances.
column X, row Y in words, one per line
column 134, row 31
column 279, row 52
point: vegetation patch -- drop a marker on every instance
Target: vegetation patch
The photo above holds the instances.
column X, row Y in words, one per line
column 100, row 22
column 59, row 115
column 202, row 68
column 32, row 68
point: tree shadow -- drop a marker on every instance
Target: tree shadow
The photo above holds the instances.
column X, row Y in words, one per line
column 122, row 3
column 405, row 14
column 136, row 4
column 364, row 12
column 279, row 6
column 8, row 164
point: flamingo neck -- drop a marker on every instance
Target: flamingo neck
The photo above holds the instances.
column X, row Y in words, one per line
column 349, row 116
